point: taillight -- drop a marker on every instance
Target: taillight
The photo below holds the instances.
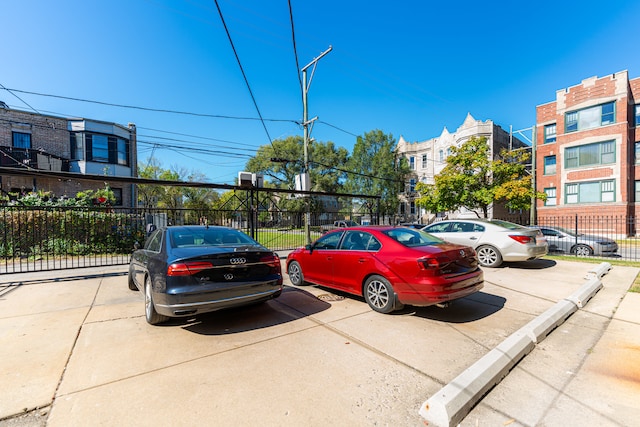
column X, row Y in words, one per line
column 433, row 263
column 187, row 268
column 521, row 239
column 271, row 260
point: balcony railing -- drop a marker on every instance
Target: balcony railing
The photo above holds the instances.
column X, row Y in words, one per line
column 37, row 159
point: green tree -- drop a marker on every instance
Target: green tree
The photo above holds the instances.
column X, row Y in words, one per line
column 471, row 179
column 325, row 162
column 377, row 170
column 199, row 199
column 149, row 194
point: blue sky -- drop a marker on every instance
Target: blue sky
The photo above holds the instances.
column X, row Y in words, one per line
column 408, row 68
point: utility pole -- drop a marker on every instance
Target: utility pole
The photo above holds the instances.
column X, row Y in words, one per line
column 308, row 125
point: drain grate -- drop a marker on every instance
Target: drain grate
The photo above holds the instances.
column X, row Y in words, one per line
column 329, row 297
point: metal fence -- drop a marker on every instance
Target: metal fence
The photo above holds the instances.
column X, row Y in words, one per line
column 596, row 236
column 50, row 238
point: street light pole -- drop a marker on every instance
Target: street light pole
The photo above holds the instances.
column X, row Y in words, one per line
column 306, row 123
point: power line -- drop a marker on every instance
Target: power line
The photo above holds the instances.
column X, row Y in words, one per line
column 25, row 102
column 295, row 50
column 156, row 110
column 244, row 75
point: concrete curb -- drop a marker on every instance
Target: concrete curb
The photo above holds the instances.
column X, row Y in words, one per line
column 454, row 401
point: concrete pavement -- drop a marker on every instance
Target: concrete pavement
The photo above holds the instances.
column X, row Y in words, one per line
column 76, row 350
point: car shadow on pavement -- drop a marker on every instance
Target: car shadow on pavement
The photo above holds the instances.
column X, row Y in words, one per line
column 464, row 310
column 292, row 305
column 536, row 264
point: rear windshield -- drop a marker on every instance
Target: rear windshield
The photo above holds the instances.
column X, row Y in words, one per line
column 506, row 224
column 411, row 237
column 183, row 237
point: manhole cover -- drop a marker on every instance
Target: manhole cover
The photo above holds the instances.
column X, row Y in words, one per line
column 329, row 297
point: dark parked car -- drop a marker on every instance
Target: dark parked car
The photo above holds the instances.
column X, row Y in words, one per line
column 389, row 266
column 188, row 270
column 567, row 241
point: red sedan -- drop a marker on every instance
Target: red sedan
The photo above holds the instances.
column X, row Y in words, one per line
column 389, row 266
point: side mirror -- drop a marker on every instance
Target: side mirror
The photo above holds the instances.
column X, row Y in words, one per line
column 136, row 246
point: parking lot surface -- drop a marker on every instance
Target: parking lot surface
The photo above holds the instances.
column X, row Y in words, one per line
column 76, row 351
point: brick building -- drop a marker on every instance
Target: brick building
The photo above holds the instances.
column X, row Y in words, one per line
column 58, row 144
column 428, row 158
column 588, row 149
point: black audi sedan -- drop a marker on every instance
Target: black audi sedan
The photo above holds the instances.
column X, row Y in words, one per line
column 192, row 269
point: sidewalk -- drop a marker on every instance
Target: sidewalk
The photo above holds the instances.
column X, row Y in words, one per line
column 76, row 350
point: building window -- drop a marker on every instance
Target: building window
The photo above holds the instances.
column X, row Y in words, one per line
column 551, row 196
column 424, row 161
column 441, row 155
column 550, row 133
column 637, row 115
column 77, row 146
column 637, row 191
column 590, row 192
column 412, row 163
column 550, row 165
column 412, row 208
column 412, row 185
column 99, row 148
column 21, row 140
column 591, row 117
column 122, row 148
column 599, row 153
column 637, row 150
column 117, row 192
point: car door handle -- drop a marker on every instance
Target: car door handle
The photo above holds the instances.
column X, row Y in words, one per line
column 473, row 238
column 362, row 260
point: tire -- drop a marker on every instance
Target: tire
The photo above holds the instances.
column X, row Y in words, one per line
column 152, row 316
column 132, row 285
column 380, row 295
column 488, row 256
column 295, row 274
column 582, row 250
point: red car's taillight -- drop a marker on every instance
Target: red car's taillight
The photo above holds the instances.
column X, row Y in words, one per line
column 434, row 264
column 521, row 239
column 187, row 268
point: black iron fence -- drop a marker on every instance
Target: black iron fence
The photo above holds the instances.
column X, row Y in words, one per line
column 598, row 236
column 50, row 238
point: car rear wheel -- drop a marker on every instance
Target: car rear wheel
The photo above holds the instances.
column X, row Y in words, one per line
column 488, row 256
column 295, row 273
column 153, row 318
column 582, row 250
column 379, row 294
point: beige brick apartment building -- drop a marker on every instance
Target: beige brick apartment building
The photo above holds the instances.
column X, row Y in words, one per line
column 588, row 149
column 49, row 143
column 428, row 158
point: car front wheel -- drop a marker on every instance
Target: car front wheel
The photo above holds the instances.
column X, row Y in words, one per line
column 488, row 256
column 295, row 274
column 153, row 318
column 582, row 250
column 379, row 294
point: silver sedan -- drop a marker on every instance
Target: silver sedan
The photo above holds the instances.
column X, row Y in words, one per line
column 494, row 240
column 564, row 240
